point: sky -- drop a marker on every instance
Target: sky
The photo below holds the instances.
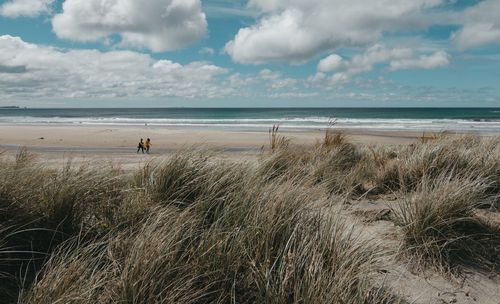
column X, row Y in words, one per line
column 250, row 53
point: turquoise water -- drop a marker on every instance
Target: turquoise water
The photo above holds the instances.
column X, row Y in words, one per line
column 419, row 119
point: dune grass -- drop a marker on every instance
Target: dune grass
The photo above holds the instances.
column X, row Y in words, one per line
column 441, row 182
column 440, row 227
column 193, row 228
column 459, row 156
column 287, row 254
column 40, row 208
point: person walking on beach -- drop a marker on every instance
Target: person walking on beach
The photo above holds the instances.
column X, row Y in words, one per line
column 140, row 147
column 148, row 145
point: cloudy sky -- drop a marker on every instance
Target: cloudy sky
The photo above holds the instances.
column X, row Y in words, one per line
column 244, row 53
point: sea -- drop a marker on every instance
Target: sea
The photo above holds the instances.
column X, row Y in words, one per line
column 478, row 120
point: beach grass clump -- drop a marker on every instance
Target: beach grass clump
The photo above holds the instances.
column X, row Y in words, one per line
column 440, row 228
column 83, row 199
column 458, row 156
column 40, row 208
column 177, row 178
column 272, row 245
column 341, row 166
column 190, row 176
column 277, row 141
column 338, row 152
column 66, row 200
column 23, row 244
column 335, row 163
column 76, row 272
column 287, row 162
column 333, row 138
column 237, row 237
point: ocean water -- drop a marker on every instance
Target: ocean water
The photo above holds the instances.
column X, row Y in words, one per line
column 481, row 120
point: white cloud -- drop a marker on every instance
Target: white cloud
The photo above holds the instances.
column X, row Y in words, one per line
column 330, row 63
column 239, row 81
column 29, row 71
column 207, row 51
column 296, row 30
column 228, row 8
column 481, row 25
column 25, row 8
column 436, row 60
column 276, row 81
column 316, row 78
column 398, row 59
column 301, row 95
column 340, row 78
column 158, row 25
column 375, row 55
column 284, row 83
column 267, row 74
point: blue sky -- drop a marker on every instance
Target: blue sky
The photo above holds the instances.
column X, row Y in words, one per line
column 222, row 53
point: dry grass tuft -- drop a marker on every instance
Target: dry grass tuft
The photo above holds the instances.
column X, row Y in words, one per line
column 277, row 141
column 268, row 246
column 440, row 227
column 41, row 208
column 459, row 156
column 334, row 138
column 191, row 176
column 340, row 165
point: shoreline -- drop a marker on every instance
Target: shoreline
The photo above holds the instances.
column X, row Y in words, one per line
column 480, row 126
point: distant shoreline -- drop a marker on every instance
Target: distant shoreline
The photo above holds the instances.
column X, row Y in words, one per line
column 483, row 128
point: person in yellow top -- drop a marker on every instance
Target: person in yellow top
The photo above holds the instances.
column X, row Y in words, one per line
column 148, row 145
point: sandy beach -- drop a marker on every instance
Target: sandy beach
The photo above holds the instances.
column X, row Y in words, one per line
column 57, row 144
column 340, row 186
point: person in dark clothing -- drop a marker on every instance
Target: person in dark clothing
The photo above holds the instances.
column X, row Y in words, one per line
column 140, row 146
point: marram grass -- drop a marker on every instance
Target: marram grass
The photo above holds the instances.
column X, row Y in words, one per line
column 192, row 228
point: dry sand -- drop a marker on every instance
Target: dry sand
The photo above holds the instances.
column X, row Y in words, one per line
column 57, row 144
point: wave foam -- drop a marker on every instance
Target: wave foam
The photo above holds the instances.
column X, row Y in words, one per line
column 312, row 122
